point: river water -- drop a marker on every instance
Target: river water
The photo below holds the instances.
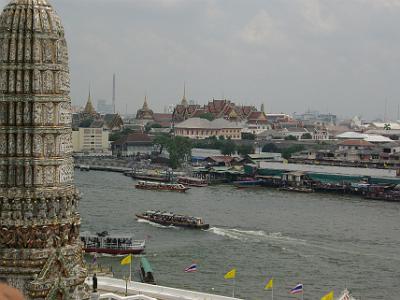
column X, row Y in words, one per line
column 323, row 241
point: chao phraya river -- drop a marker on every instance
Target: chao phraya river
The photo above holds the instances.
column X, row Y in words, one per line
column 323, row 241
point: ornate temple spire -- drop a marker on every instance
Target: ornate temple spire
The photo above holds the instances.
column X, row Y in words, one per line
column 40, row 249
column 262, row 108
column 184, row 100
column 145, row 104
column 89, row 108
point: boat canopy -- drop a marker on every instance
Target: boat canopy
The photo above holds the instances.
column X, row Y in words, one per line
column 146, row 265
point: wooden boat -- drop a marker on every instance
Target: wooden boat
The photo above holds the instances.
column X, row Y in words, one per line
column 168, row 219
column 113, row 245
column 192, row 181
column 158, row 186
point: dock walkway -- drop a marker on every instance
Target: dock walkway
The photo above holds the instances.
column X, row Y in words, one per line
column 114, row 289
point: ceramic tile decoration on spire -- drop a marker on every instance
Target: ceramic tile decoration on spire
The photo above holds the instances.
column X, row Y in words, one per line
column 40, row 249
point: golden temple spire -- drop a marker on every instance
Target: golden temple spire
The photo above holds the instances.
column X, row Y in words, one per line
column 89, row 108
column 184, row 100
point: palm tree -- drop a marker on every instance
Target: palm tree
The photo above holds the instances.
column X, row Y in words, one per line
column 387, row 126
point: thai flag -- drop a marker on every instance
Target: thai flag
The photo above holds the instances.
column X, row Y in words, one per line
column 297, row 289
column 191, row 268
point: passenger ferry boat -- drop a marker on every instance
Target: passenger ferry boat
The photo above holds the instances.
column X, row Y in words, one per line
column 113, row 245
column 192, row 181
column 158, row 186
column 167, row 219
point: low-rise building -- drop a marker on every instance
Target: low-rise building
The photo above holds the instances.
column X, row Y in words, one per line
column 90, row 140
column 197, row 128
column 133, row 144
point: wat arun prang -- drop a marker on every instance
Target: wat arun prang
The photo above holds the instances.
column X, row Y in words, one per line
column 40, row 251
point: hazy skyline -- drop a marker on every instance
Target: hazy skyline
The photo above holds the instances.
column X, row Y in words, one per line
column 339, row 56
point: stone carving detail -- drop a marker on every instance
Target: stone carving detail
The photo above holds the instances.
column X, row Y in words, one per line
column 64, row 113
column 37, row 145
column 28, row 175
column 28, row 144
column 49, row 144
column 11, row 144
column 3, row 175
column 65, row 144
column 49, row 175
column 37, row 114
column 38, row 202
column 48, row 81
column 3, row 80
column 66, row 174
column 20, row 144
column 3, row 112
column 3, row 144
column 38, row 179
column 11, row 114
column 28, row 113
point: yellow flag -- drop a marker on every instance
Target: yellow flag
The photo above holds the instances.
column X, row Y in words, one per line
column 127, row 260
column 328, row 296
column 231, row 274
column 270, row 284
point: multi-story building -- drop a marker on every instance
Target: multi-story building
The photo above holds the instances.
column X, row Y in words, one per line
column 90, row 140
column 197, row 128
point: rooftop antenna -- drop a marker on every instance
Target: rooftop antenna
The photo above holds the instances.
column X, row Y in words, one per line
column 113, row 94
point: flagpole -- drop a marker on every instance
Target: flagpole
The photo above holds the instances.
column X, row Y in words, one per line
column 130, row 270
column 234, row 285
column 272, row 292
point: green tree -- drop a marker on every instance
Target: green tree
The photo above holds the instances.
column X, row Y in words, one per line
column 248, row 136
column 288, row 152
column 86, row 123
column 228, row 147
column 290, row 138
column 207, row 115
column 115, row 136
column 179, row 149
column 245, row 149
column 161, row 141
column 306, row 136
column 270, row 147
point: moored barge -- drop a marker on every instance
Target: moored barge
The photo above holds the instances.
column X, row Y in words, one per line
column 168, row 219
column 192, row 181
column 158, row 186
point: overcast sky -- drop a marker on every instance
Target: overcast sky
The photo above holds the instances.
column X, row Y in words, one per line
column 341, row 56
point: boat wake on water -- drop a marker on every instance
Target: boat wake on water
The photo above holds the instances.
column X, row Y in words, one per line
column 156, row 224
column 254, row 235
